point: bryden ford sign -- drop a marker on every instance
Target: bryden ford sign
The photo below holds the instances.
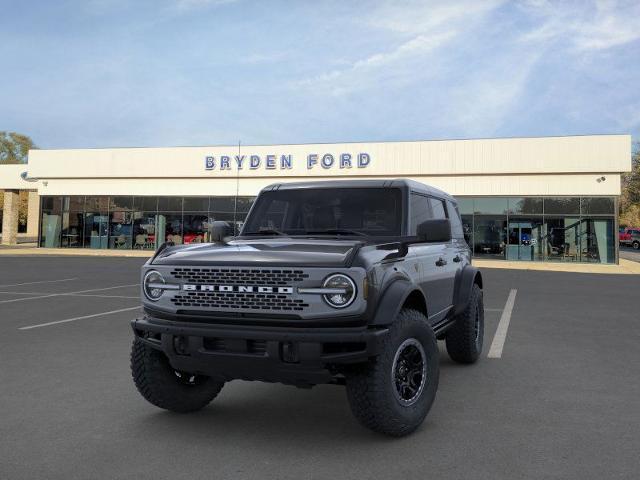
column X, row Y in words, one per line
column 285, row 162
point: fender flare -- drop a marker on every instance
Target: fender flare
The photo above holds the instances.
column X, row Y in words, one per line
column 468, row 277
column 392, row 300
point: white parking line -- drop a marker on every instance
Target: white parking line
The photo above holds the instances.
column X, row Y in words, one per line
column 41, row 281
column 67, row 293
column 503, row 325
column 20, row 293
column 98, row 295
column 29, row 327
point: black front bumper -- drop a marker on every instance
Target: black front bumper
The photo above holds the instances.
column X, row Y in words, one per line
column 298, row 356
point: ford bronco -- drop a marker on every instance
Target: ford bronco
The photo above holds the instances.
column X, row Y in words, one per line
column 346, row 282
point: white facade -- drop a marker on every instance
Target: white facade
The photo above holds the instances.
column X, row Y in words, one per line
column 542, row 166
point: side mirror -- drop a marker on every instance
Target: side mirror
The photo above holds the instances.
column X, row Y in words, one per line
column 434, row 230
column 220, row 230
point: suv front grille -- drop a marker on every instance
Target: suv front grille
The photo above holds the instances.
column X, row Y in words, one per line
column 237, row 276
column 250, row 301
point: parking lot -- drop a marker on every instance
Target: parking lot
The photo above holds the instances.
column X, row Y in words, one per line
column 630, row 253
column 559, row 400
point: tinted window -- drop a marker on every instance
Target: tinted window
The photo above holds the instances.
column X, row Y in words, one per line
column 525, row 206
column 456, row 224
column 420, row 211
column 121, row 203
column 437, row 208
column 170, row 204
column 97, row 204
column 490, row 206
column 597, row 206
column 562, row 205
column 465, row 205
column 372, row 211
column 146, row 203
column 196, row 204
column 222, row 204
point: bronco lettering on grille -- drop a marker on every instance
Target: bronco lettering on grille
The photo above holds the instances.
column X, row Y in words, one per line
column 237, row 289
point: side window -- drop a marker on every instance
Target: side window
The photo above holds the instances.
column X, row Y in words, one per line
column 437, row 207
column 456, row 224
column 420, row 211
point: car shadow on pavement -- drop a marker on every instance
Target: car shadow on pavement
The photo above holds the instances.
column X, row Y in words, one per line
column 250, row 412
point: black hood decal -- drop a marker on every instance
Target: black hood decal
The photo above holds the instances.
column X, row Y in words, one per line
column 264, row 252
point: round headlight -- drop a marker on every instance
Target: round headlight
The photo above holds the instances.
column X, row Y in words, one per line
column 149, row 285
column 344, row 290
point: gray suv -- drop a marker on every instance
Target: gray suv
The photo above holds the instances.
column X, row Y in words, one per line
column 345, row 282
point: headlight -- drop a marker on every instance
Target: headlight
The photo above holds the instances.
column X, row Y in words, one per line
column 343, row 290
column 150, row 285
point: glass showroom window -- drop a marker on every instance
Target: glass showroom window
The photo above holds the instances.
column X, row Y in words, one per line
column 195, row 219
column 144, row 230
column 490, row 236
column 51, row 224
column 120, row 229
column 169, row 228
column 540, row 228
column 597, row 240
column 72, row 222
column 96, row 222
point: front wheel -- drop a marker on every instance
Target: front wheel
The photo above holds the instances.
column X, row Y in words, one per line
column 636, row 245
column 163, row 386
column 393, row 393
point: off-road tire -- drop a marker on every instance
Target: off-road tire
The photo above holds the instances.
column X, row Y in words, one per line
column 464, row 345
column 162, row 386
column 371, row 387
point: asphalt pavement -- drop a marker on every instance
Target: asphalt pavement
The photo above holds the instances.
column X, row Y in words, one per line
column 560, row 401
column 629, row 253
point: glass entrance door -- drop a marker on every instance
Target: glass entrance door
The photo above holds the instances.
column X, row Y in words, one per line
column 524, row 240
column 96, row 230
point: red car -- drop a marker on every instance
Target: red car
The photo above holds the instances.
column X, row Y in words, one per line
column 629, row 237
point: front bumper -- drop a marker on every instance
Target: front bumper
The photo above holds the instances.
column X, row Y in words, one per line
column 298, row 356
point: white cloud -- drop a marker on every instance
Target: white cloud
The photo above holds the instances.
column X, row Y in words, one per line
column 423, row 29
column 479, row 105
column 363, row 72
column 600, row 26
column 418, row 17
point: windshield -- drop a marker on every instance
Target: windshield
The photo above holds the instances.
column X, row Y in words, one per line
column 329, row 211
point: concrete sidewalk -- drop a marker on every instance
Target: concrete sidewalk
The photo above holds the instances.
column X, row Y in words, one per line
column 76, row 252
column 626, row 267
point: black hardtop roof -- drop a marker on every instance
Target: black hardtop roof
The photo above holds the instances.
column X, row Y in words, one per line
column 377, row 183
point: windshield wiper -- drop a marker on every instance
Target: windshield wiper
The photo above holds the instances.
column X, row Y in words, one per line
column 337, row 231
column 266, row 231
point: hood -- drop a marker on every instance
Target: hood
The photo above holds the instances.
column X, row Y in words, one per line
column 264, row 252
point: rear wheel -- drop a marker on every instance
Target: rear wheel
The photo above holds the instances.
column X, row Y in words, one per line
column 636, row 245
column 393, row 393
column 165, row 387
column 464, row 339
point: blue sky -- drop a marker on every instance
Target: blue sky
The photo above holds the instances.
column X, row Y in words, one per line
column 103, row 73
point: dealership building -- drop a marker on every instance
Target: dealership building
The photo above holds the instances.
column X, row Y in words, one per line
column 531, row 199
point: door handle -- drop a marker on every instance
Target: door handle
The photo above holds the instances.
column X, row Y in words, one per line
column 441, row 262
column 457, row 259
